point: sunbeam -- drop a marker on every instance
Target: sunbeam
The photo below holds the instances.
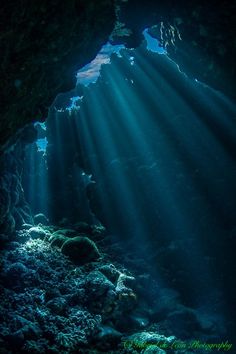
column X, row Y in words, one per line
column 117, row 177
column 148, row 152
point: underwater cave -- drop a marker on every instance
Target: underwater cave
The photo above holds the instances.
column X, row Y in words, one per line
column 117, row 177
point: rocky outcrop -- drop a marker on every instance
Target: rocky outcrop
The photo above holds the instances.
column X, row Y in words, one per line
column 50, row 305
column 42, row 47
column 14, row 210
column 198, row 35
column 45, row 45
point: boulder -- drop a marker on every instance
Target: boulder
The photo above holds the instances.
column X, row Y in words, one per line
column 80, row 250
column 37, row 232
column 41, row 219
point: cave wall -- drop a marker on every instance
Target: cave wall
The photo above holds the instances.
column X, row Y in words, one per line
column 42, row 47
column 14, row 209
column 198, row 35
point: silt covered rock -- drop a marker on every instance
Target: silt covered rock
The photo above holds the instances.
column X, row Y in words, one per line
column 80, row 250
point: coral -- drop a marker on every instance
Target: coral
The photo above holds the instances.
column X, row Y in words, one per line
column 142, row 340
column 37, row 232
column 100, row 295
column 15, row 272
column 126, row 295
column 153, row 349
column 68, row 340
column 123, row 283
column 36, row 313
column 84, row 327
column 38, row 347
column 49, row 305
column 110, row 271
column 57, row 305
column 80, row 250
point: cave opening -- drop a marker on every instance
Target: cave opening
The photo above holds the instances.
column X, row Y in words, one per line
column 134, row 168
column 136, row 147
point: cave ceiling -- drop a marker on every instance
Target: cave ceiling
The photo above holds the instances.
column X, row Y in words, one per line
column 44, row 44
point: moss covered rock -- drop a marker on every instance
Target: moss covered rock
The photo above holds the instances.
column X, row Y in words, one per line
column 57, row 240
column 80, row 250
column 60, row 236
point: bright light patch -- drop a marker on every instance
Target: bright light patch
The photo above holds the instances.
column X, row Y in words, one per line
column 42, row 144
column 152, row 43
column 90, row 73
column 74, row 103
column 131, row 59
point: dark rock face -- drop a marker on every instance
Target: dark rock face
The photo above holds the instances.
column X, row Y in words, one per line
column 14, row 210
column 198, row 35
column 80, row 249
column 42, row 46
